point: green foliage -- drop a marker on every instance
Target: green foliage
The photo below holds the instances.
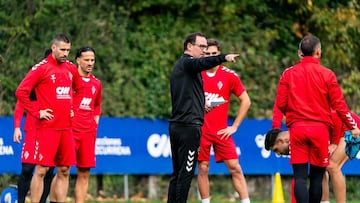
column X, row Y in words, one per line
column 352, row 185
column 138, row 42
column 6, row 180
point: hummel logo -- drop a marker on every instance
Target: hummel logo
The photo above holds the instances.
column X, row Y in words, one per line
column 351, row 120
column 53, row 77
column 190, row 161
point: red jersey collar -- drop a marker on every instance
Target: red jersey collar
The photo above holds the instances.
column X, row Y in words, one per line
column 88, row 76
column 52, row 60
column 310, row 59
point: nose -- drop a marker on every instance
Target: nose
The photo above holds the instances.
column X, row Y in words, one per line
column 66, row 53
column 91, row 62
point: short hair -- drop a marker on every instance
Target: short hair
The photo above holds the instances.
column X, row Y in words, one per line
column 309, row 44
column 191, row 38
column 83, row 49
column 270, row 137
column 60, row 38
column 213, row 42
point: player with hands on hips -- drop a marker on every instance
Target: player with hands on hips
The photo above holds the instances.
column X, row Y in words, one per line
column 219, row 83
column 52, row 79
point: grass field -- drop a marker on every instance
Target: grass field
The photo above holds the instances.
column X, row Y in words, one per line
column 199, row 202
column 188, row 202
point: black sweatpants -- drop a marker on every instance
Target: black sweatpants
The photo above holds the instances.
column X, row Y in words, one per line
column 185, row 143
column 314, row 193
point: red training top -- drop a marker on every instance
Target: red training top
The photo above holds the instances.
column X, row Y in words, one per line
column 222, row 84
column 52, row 82
column 30, row 121
column 337, row 131
column 339, row 127
column 307, row 91
column 87, row 103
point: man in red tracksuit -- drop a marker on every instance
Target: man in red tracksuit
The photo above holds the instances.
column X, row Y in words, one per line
column 27, row 154
column 278, row 141
column 52, row 79
column 28, row 148
column 306, row 92
column 87, row 110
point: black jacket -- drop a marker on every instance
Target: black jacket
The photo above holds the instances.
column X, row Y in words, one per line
column 187, row 94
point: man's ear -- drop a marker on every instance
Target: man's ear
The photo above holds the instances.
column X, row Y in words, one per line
column 300, row 54
column 189, row 46
column 317, row 53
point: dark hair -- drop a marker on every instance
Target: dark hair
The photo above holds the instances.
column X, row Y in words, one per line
column 191, row 38
column 47, row 52
column 83, row 49
column 270, row 137
column 309, row 44
column 60, row 38
column 213, row 42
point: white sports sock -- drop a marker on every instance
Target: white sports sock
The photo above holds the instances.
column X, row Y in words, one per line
column 206, row 200
column 247, row 200
column 325, row 202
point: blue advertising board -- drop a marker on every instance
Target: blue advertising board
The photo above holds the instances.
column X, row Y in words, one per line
column 142, row 146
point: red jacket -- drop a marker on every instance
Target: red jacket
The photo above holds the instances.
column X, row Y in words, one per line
column 86, row 103
column 337, row 131
column 30, row 121
column 307, row 91
column 339, row 128
column 18, row 114
column 52, row 83
column 277, row 117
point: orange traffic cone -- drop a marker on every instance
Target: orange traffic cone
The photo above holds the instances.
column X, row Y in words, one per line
column 278, row 194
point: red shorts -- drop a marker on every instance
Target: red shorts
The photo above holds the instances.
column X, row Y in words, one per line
column 55, row 147
column 310, row 144
column 224, row 149
column 28, row 148
column 85, row 149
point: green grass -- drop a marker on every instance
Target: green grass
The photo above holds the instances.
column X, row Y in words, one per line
column 199, row 202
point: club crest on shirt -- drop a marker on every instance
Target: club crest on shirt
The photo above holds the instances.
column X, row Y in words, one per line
column 53, row 78
column 220, row 85
column 70, row 75
column 93, row 90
